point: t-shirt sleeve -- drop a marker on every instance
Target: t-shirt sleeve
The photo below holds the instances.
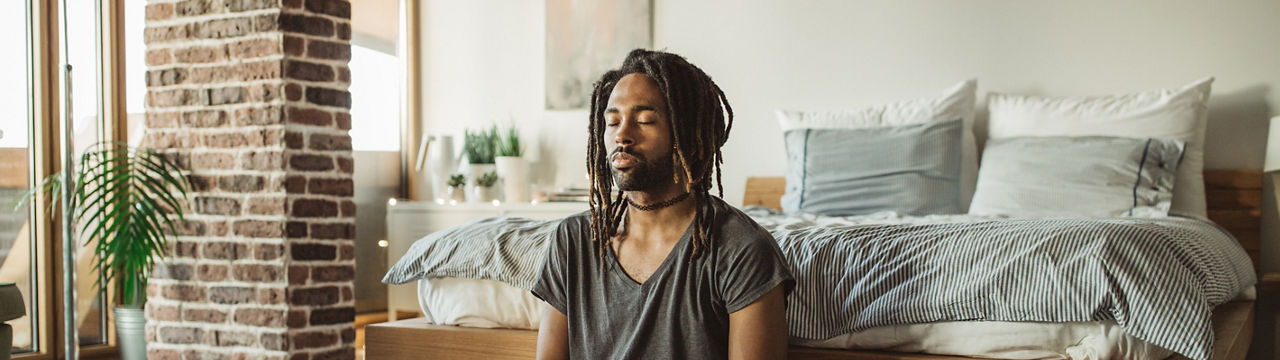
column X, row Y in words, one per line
column 751, row 269
column 550, row 284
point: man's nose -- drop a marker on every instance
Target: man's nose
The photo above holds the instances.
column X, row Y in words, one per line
column 623, row 135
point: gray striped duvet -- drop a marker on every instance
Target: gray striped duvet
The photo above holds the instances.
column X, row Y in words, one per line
column 1157, row 278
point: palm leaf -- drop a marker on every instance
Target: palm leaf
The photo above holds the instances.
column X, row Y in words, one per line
column 124, row 199
column 151, row 206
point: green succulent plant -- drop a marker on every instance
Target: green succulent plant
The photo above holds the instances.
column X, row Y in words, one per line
column 488, row 179
column 481, row 145
column 509, row 145
column 457, row 180
column 126, row 203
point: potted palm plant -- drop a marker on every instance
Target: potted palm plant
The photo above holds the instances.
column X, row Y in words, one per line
column 512, row 167
column 126, row 203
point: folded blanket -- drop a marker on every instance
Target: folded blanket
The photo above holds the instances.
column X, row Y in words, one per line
column 1157, row 278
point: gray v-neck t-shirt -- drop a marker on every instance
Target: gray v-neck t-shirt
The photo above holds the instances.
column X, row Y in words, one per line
column 681, row 311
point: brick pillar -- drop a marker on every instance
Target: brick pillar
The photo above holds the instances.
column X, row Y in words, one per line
column 251, row 97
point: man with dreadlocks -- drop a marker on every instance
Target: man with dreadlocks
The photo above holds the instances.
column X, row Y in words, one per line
column 663, row 269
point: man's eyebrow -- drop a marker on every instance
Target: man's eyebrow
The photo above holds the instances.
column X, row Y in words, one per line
column 637, row 108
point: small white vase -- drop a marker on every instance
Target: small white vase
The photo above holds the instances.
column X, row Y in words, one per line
column 438, row 162
column 484, row 194
column 456, row 193
column 474, row 172
column 513, row 171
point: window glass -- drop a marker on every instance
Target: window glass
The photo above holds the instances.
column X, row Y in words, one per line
column 135, row 68
column 375, row 99
column 15, row 170
column 82, row 37
column 376, row 92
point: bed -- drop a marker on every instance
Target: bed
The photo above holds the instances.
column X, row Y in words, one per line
column 1234, row 203
column 1086, row 213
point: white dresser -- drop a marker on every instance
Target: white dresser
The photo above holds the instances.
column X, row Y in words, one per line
column 408, row 221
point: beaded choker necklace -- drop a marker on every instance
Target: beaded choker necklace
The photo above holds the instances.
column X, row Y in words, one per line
column 656, row 206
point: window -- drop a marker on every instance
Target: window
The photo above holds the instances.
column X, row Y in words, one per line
column 31, row 103
column 16, row 240
column 375, row 138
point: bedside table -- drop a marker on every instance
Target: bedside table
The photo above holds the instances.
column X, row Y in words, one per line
column 408, row 221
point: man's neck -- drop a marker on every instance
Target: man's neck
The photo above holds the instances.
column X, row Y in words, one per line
column 644, row 225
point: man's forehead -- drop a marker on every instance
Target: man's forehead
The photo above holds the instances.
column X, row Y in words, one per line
column 636, row 87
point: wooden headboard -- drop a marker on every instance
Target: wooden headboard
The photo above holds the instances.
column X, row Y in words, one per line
column 1235, row 203
column 1234, row 197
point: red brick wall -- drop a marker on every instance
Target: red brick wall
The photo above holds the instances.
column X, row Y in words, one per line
column 251, row 97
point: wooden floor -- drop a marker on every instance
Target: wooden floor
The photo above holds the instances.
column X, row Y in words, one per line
column 416, row 338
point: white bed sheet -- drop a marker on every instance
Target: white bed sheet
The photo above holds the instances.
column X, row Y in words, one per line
column 1001, row 340
column 493, row 304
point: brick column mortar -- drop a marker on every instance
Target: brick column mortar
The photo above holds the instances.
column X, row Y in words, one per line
column 250, row 97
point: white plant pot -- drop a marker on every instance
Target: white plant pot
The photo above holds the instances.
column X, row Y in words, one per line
column 474, row 171
column 456, row 193
column 484, row 194
column 513, row 172
column 131, row 336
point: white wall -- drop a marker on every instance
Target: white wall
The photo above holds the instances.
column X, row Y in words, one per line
column 829, row 54
column 482, row 64
column 484, row 61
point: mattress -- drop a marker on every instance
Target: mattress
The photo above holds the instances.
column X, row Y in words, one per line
column 493, row 304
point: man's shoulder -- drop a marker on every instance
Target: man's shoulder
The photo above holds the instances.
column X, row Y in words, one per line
column 575, row 228
column 736, row 228
column 582, row 219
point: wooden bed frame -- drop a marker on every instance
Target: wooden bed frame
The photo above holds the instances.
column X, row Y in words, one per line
column 1235, row 202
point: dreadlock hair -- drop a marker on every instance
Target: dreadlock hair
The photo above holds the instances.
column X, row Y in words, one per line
column 700, row 119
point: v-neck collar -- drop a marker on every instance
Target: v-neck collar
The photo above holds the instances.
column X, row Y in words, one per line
column 616, row 266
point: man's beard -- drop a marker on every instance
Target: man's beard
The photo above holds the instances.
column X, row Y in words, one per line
column 643, row 174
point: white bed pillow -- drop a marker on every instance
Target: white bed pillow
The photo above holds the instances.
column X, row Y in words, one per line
column 955, row 102
column 1092, row 176
column 909, row 170
column 478, row 303
column 1168, row 113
